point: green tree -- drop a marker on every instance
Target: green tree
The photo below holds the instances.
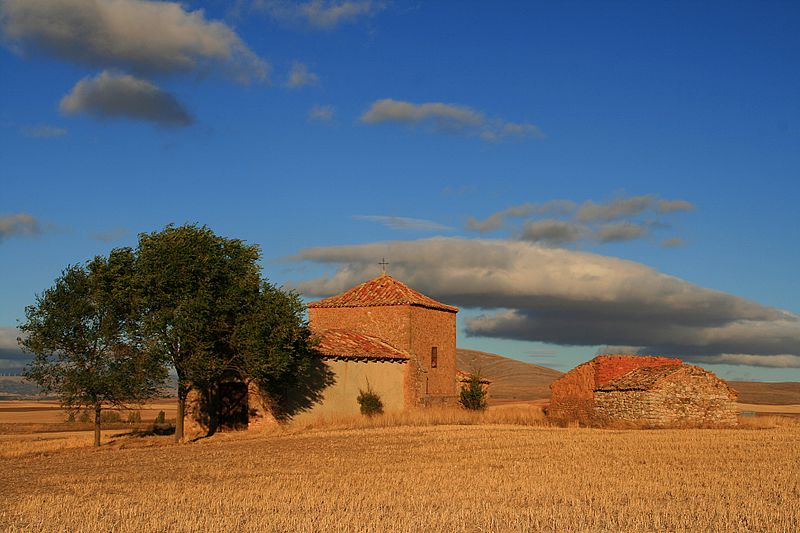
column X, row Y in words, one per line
column 194, row 289
column 473, row 394
column 274, row 346
column 82, row 332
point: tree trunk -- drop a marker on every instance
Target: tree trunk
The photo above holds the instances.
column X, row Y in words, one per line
column 182, row 392
column 97, row 425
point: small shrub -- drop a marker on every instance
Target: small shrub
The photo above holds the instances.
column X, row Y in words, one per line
column 70, row 417
column 84, row 417
column 370, row 402
column 134, row 417
column 161, row 418
column 473, row 395
column 109, row 417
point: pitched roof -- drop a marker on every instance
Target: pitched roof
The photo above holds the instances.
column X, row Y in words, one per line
column 351, row 345
column 644, row 378
column 383, row 290
column 610, row 367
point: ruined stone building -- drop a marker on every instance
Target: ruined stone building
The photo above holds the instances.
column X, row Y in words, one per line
column 644, row 391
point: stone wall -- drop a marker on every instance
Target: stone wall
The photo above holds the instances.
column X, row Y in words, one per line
column 690, row 397
column 572, row 395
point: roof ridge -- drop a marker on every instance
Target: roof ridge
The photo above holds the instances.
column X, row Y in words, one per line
column 382, row 290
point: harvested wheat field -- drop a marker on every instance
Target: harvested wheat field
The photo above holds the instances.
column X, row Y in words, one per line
column 444, row 478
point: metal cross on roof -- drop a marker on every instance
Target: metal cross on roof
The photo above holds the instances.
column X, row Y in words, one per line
column 383, row 264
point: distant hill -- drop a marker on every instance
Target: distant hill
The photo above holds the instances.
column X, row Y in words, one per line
column 767, row 393
column 511, row 379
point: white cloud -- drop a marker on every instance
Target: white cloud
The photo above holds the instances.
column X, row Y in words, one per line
column 620, row 231
column 112, row 95
column 146, row 37
column 499, row 130
column 43, row 131
column 8, row 338
column 404, row 223
column 321, row 113
column 625, row 207
column 495, row 221
column 673, row 242
column 12, row 358
column 774, row 361
column 536, row 293
column 18, row 224
column 671, row 206
column 551, row 231
column 319, row 14
column 446, row 117
column 300, row 76
column 589, row 221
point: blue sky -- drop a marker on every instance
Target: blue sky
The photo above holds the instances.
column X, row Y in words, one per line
column 336, row 133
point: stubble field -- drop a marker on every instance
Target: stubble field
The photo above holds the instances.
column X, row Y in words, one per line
column 481, row 477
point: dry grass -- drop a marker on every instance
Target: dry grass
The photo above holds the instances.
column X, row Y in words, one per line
column 477, row 476
column 517, row 414
column 17, row 445
column 50, row 411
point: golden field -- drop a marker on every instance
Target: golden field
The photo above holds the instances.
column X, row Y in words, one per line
column 505, row 470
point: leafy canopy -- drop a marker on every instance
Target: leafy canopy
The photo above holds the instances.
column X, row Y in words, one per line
column 82, row 332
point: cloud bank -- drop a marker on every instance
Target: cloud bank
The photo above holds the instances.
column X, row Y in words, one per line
column 113, row 95
column 618, row 220
column 144, row 37
column 536, row 293
column 446, row 118
column 12, row 358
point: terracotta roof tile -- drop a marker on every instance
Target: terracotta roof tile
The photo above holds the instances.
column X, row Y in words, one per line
column 349, row 344
column 383, row 290
column 644, row 378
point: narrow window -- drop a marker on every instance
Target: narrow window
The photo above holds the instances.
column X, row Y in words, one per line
column 434, row 357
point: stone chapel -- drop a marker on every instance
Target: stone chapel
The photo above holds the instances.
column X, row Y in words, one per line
column 384, row 335
column 380, row 335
